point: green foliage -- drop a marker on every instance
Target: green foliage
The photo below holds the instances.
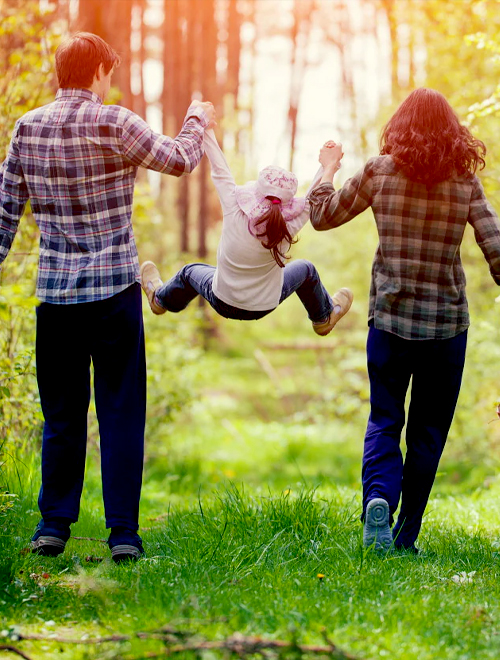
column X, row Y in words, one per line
column 28, row 39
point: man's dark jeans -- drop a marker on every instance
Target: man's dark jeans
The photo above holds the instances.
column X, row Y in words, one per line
column 436, row 369
column 109, row 333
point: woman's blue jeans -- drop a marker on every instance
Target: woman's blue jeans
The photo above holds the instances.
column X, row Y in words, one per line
column 192, row 280
column 435, row 368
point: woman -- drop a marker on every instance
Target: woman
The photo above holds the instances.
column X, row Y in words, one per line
column 423, row 191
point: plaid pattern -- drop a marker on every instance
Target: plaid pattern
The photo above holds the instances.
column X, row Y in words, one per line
column 76, row 161
column 418, row 283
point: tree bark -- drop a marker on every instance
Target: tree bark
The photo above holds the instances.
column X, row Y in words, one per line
column 112, row 21
column 233, row 50
column 301, row 27
column 208, row 85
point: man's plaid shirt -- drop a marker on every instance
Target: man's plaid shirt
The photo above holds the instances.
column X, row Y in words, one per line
column 76, row 161
column 418, row 283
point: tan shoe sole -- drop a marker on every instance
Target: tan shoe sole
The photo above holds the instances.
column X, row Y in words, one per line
column 150, row 281
column 343, row 298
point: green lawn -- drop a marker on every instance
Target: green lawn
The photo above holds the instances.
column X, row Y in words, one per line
column 246, row 560
column 252, row 489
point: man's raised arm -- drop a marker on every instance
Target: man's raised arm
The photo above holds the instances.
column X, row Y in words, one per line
column 176, row 156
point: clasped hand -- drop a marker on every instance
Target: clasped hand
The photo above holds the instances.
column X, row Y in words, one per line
column 330, row 155
column 209, row 110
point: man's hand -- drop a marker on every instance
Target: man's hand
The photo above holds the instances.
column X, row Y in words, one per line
column 331, row 155
column 209, row 110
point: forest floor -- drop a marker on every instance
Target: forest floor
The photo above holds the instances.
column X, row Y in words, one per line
column 251, row 504
column 283, row 565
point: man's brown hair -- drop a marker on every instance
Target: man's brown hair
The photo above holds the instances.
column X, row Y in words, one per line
column 79, row 57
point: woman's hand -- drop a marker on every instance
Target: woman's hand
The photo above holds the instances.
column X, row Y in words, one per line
column 331, row 155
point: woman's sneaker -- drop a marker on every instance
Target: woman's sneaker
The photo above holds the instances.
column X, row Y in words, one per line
column 376, row 529
column 342, row 301
column 49, row 539
column 150, row 282
column 125, row 545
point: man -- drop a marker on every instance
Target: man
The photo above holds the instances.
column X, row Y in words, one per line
column 76, row 161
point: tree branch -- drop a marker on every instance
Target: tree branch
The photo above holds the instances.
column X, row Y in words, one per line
column 237, row 644
column 12, row 649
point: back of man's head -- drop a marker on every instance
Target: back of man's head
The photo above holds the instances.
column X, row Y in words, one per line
column 78, row 59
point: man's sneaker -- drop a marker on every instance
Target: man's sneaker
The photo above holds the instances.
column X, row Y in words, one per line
column 125, row 545
column 49, row 539
column 376, row 529
column 150, row 281
column 342, row 301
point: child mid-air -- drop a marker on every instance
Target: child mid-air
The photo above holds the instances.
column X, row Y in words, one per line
column 260, row 221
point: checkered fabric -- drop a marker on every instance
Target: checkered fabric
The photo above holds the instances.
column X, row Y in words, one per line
column 76, row 161
column 418, row 283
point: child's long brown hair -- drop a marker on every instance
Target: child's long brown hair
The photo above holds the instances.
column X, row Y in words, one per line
column 275, row 232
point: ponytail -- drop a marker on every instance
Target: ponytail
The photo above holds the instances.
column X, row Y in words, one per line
column 275, row 231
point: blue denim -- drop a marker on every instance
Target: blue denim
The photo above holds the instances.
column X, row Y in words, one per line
column 435, row 367
column 109, row 333
column 192, row 280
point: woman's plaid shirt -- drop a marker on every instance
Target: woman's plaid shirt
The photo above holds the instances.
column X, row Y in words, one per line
column 76, row 161
column 418, row 283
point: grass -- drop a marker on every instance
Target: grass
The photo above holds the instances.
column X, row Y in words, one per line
column 252, row 489
column 245, row 560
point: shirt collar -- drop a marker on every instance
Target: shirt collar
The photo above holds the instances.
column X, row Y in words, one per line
column 78, row 93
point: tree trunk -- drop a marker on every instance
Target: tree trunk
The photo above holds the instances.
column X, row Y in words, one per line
column 300, row 28
column 139, row 102
column 187, row 52
column 208, row 85
column 390, row 12
column 112, row 21
column 233, row 51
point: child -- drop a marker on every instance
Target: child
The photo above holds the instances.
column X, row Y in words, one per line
column 260, row 221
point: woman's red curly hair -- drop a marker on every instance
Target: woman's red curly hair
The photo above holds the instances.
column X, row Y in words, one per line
column 427, row 141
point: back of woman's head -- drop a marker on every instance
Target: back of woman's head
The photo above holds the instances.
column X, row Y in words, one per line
column 427, row 141
column 274, row 234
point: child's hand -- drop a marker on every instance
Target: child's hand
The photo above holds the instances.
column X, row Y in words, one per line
column 331, row 155
column 209, row 110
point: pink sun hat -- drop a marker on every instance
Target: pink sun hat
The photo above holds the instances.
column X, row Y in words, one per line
column 276, row 182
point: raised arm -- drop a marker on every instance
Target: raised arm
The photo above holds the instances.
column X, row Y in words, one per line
column 13, row 196
column 332, row 208
column 221, row 174
column 484, row 221
column 177, row 156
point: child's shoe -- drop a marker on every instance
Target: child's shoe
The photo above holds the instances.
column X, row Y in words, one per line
column 150, row 281
column 343, row 299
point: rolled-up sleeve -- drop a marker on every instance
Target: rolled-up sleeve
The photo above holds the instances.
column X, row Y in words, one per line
column 177, row 156
column 331, row 208
column 484, row 221
column 13, row 196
